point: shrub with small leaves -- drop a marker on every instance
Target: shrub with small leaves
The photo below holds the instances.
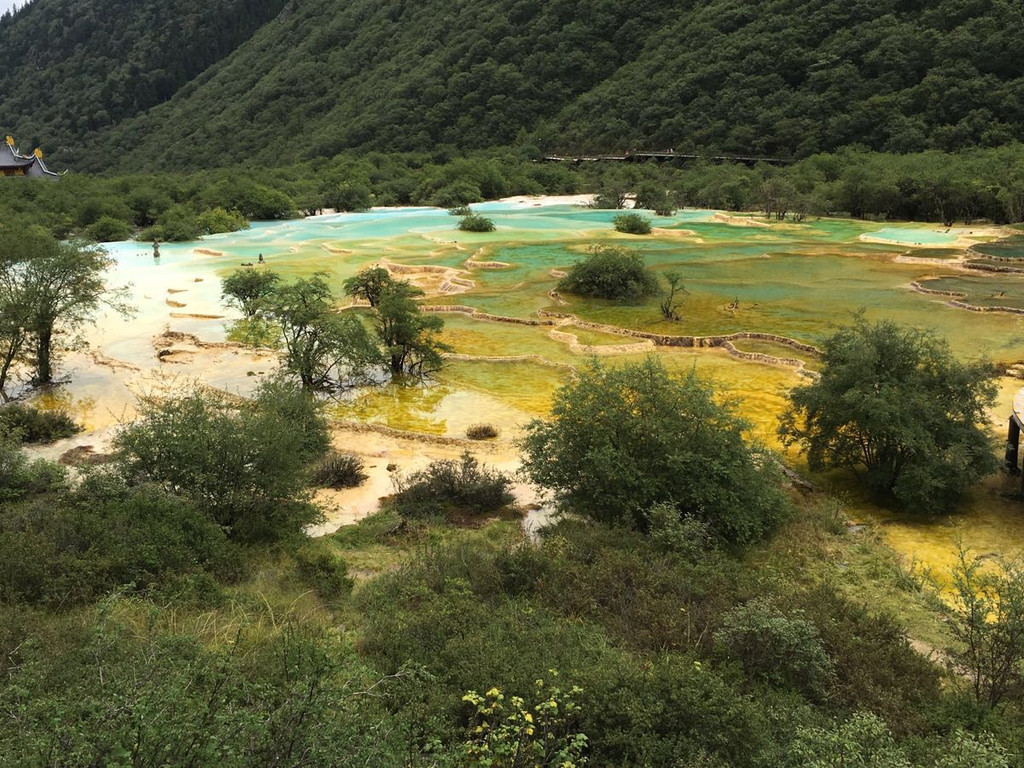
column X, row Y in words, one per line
column 476, row 223
column 322, row 570
column 32, row 425
column 482, row 432
column 339, row 470
column 452, row 486
column 632, row 224
column 778, row 648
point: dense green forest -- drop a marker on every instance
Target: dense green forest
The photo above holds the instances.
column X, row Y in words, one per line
column 73, row 67
column 929, row 186
column 125, row 88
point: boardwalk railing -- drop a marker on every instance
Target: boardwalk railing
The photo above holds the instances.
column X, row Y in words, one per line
column 668, row 154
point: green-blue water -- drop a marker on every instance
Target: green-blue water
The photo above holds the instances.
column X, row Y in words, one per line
column 795, row 280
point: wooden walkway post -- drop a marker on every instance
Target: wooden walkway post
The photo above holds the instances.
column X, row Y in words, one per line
column 1012, row 445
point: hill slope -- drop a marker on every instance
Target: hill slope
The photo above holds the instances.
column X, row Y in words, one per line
column 778, row 77
column 784, row 77
column 73, row 67
column 395, row 75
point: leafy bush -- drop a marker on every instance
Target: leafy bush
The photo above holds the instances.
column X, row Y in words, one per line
column 476, row 223
column 876, row 669
column 542, row 735
column 610, row 272
column 894, row 400
column 775, row 648
column 621, row 440
column 460, row 210
column 987, row 621
column 32, row 425
column 684, row 535
column 452, row 486
column 323, row 570
column 242, row 463
column 107, row 229
column 632, row 224
column 20, row 477
column 447, row 611
column 102, row 536
column 482, row 432
column 289, row 694
column 339, row 470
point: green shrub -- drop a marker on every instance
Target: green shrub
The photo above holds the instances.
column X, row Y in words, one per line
column 321, row 569
column 107, row 229
column 474, row 222
column 683, row 535
column 632, row 224
column 644, row 599
column 610, row 272
column 32, row 425
column 452, row 486
column 460, row 210
column 776, row 648
column 286, row 694
column 20, row 477
column 621, row 440
column 339, row 470
column 862, row 741
column 876, row 669
column 482, row 432
column 101, row 536
column 243, row 463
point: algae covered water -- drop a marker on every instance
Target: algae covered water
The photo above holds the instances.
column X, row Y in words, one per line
column 797, row 281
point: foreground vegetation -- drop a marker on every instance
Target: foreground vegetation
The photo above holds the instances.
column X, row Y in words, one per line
column 692, row 609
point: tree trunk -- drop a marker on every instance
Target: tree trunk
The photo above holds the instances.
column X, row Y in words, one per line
column 44, row 371
column 398, row 362
column 13, row 348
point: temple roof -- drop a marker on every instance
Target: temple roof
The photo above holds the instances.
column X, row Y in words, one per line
column 11, row 159
column 16, row 162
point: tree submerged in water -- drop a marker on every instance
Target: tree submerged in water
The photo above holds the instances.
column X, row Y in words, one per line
column 632, row 224
column 49, row 291
column 474, row 222
column 326, row 348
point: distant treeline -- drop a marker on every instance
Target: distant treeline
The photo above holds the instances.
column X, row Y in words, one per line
column 980, row 184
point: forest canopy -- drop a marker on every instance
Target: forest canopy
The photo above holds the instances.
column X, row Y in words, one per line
column 134, row 86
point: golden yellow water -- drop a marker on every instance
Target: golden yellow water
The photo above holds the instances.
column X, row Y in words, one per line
column 798, row 281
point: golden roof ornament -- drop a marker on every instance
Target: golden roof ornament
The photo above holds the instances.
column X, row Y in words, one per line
column 10, row 141
column 38, row 153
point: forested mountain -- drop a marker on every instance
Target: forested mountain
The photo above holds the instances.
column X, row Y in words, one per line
column 781, row 77
column 70, row 68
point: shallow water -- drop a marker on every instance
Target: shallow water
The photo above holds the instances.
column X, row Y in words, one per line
column 795, row 280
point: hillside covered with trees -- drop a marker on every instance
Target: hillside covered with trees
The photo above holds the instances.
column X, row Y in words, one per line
column 778, row 78
column 73, row 67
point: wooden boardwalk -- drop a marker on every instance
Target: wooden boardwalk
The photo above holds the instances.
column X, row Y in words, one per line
column 665, row 156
